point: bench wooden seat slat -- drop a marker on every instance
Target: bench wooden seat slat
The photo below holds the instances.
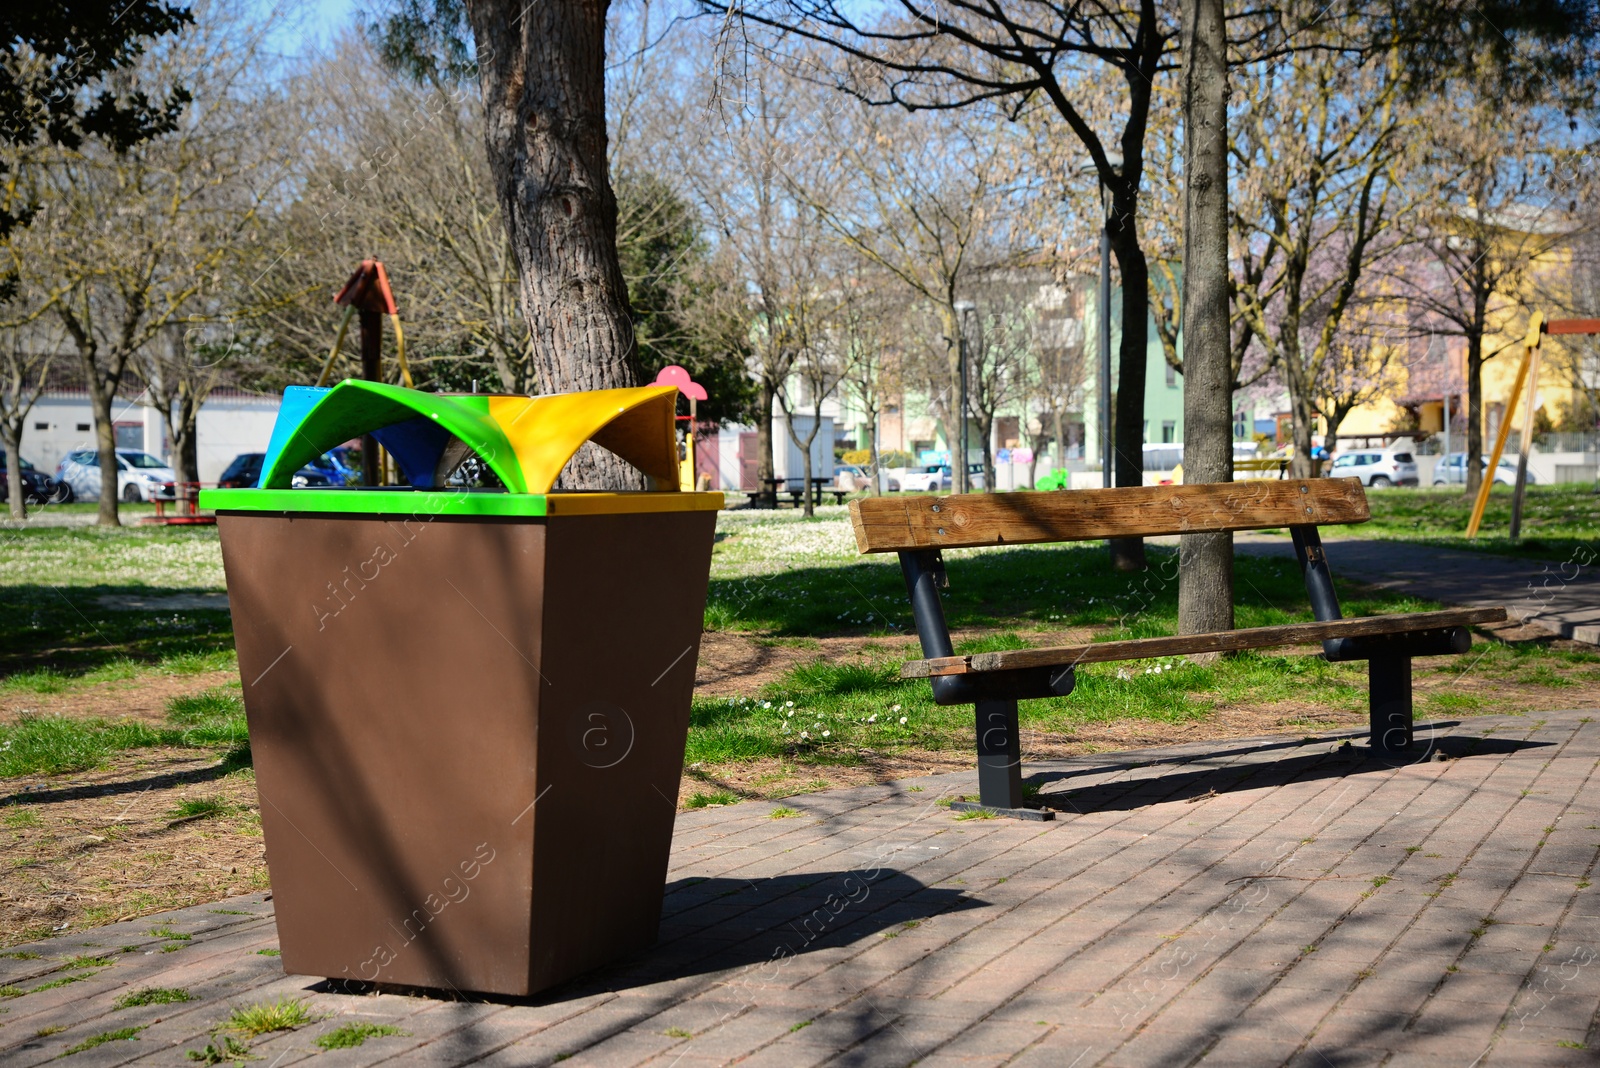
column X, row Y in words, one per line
column 895, row 524
column 1226, row 641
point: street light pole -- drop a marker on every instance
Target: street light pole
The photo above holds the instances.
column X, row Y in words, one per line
column 958, row 468
column 1104, row 299
column 1105, row 340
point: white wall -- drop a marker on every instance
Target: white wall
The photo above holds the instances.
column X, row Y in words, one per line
column 227, row 426
column 727, row 477
column 230, row 425
column 789, row 462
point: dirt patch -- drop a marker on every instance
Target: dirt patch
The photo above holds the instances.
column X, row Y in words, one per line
column 143, row 699
column 92, row 848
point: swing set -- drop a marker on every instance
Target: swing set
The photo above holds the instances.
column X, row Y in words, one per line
column 1527, row 372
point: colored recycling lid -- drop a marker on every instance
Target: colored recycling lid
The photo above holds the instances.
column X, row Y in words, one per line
column 526, row 441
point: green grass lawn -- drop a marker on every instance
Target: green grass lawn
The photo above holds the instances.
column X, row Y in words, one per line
column 828, row 711
column 777, row 577
column 1558, row 522
column 59, row 587
column 54, row 745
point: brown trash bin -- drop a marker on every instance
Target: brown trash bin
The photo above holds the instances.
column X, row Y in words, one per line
column 467, row 715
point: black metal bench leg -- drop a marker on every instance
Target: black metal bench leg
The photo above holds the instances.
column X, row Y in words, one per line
column 999, row 753
column 1389, row 698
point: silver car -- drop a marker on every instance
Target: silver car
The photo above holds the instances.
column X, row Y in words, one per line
column 140, row 476
column 1452, row 471
column 1376, row 469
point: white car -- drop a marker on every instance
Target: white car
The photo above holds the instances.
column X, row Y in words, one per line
column 1377, row 469
column 1452, row 471
column 854, row 477
column 933, row 478
column 140, row 476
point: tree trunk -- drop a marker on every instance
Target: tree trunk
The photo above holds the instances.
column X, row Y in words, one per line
column 101, row 396
column 874, row 470
column 1474, row 465
column 1303, row 419
column 765, row 468
column 986, row 428
column 182, row 433
column 1061, row 446
column 1205, row 561
column 12, row 439
column 805, row 457
column 1127, row 554
column 542, row 74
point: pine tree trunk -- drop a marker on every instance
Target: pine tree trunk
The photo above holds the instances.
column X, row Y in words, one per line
column 1205, row 561
column 542, row 73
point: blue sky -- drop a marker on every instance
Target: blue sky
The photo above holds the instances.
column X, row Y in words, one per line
column 315, row 22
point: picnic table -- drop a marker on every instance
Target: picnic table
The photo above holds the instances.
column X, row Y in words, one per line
column 818, row 483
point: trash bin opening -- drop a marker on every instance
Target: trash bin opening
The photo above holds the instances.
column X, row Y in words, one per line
column 525, row 442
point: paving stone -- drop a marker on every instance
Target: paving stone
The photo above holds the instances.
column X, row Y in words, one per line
column 1136, row 929
column 1244, row 1051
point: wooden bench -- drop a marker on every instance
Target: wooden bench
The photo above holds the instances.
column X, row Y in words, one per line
column 918, row 528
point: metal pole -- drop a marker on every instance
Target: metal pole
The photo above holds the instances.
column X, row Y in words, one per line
column 1524, row 445
column 1529, row 345
column 1105, row 342
column 371, row 357
column 1447, row 400
column 958, row 468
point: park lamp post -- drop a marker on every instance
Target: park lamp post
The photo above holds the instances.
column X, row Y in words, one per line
column 1104, row 309
column 964, row 309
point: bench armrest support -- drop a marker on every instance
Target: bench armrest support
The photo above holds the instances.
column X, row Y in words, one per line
column 924, row 574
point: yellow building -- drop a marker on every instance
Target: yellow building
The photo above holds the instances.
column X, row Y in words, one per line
column 1423, row 379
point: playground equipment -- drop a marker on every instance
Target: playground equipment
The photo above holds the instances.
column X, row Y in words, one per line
column 367, row 292
column 186, row 501
column 1527, row 371
column 467, row 707
column 677, row 377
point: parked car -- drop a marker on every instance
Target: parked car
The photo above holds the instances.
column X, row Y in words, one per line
column 1375, row 468
column 1452, row 471
column 336, row 465
column 245, row 472
column 854, row 477
column 140, row 476
column 934, row 477
column 37, row 487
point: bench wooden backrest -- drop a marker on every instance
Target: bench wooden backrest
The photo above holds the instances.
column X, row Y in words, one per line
column 895, row 524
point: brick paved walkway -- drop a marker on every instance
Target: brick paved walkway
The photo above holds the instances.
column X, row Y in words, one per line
column 1282, row 900
column 1560, row 597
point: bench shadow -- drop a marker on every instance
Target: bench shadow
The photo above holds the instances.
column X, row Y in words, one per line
column 740, row 933
column 187, row 777
column 1188, row 783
